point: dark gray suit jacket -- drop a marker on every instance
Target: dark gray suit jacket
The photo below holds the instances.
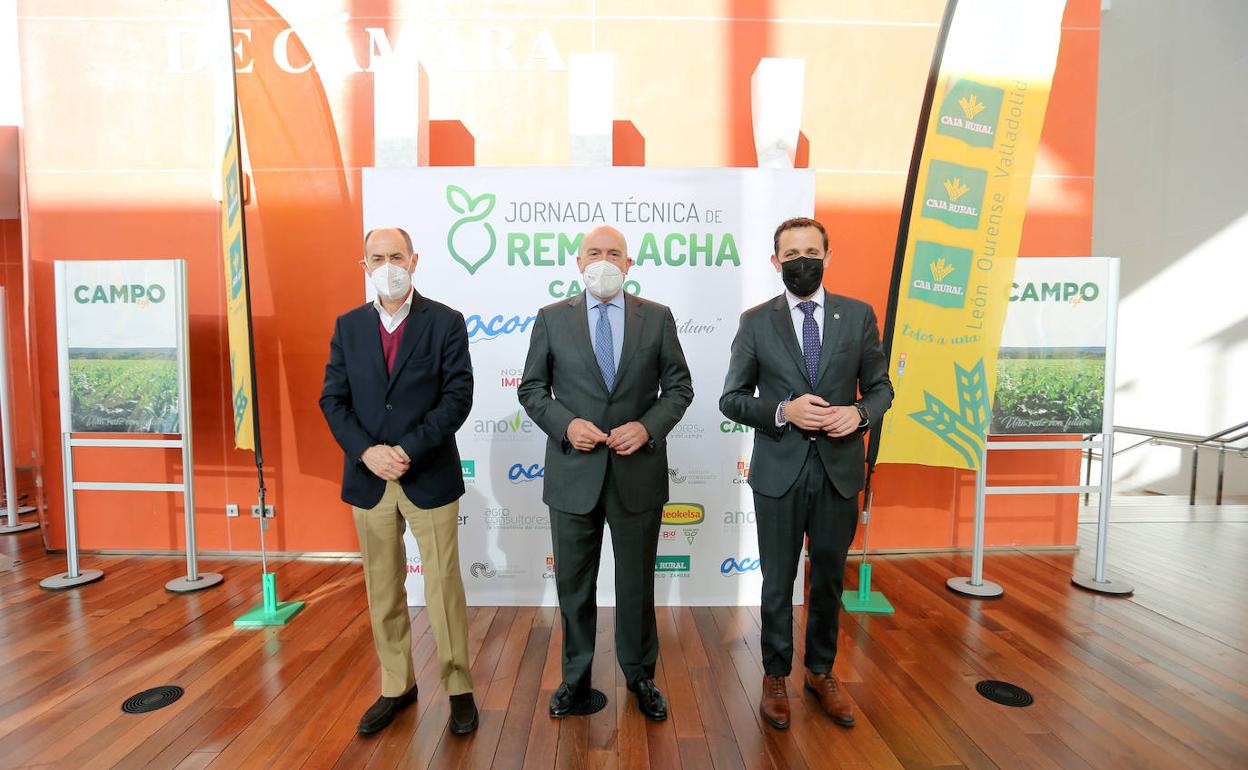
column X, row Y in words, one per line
column 767, row 367
column 561, row 381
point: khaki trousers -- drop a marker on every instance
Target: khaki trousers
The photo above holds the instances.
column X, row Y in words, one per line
column 380, row 530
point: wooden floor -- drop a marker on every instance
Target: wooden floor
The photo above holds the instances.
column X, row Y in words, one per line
column 1157, row 680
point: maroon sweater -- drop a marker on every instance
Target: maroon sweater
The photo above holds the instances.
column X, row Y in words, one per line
column 390, row 342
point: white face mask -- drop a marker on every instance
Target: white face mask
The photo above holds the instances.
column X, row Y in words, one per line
column 603, row 279
column 391, row 282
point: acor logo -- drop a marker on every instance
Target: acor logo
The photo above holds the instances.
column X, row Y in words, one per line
column 949, row 268
column 730, row 566
column 521, row 474
column 954, row 194
column 683, row 514
column 970, row 112
column 482, row 570
column 133, row 293
column 1071, row 292
column 480, row 328
column 470, row 244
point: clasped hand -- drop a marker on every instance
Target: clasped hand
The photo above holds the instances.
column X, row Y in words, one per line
column 809, row 412
column 387, row 462
column 624, row 439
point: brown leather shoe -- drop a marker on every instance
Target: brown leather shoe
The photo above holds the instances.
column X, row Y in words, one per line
column 775, row 704
column 831, row 697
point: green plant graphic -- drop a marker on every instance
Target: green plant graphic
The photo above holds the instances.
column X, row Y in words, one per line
column 964, row 428
column 474, row 210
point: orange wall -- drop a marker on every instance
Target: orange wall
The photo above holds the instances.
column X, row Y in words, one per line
column 118, row 154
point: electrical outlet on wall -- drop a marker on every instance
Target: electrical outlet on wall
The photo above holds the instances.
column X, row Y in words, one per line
column 231, row 511
column 268, row 512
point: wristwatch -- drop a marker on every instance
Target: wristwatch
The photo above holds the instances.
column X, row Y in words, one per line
column 862, row 413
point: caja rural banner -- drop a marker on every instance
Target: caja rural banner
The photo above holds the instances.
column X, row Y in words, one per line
column 965, row 222
column 233, row 247
column 1051, row 366
column 498, row 244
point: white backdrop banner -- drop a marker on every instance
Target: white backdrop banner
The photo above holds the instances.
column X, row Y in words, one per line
column 498, row 244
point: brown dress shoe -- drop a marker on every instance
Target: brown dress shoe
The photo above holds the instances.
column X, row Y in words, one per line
column 831, row 698
column 775, row 704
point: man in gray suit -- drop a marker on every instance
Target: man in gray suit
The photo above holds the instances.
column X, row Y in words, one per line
column 809, row 375
column 606, row 380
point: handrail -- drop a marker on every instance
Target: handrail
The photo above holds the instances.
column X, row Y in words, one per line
column 1221, row 441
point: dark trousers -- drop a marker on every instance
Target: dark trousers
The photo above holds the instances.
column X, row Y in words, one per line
column 812, row 509
column 577, row 541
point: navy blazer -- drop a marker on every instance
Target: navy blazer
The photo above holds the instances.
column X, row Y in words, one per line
column 419, row 406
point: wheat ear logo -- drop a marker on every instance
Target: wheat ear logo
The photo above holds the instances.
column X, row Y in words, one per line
column 971, row 106
column 940, row 269
column 963, row 428
column 955, row 188
column 466, row 239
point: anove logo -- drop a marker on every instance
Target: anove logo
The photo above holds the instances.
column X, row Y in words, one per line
column 469, row 243
column 970, row 112
column 940, row 274
column 954, row 194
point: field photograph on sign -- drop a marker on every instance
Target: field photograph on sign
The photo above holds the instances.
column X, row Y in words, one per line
column 124, row 390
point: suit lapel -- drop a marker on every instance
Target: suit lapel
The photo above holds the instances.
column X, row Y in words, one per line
column 634, row 318
column 832, row 326
column 413, row 328
column 580, row 333
column 782, row 317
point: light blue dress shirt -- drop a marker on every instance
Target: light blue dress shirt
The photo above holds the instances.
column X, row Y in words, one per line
column 615, row 316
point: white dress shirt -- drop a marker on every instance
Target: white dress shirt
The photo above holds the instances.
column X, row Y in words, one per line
column 391, row 322
column 799, row 319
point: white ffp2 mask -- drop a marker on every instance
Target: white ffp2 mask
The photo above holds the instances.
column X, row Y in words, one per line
column 603, row 279
column 391, row 282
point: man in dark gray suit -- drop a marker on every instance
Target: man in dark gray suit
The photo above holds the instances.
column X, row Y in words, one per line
column 809, row 375
column 606, row 380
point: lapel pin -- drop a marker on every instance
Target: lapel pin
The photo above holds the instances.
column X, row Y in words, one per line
column 836, row 316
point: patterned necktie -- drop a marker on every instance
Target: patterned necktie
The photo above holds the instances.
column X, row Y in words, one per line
column 810, row 340
column 604, row 350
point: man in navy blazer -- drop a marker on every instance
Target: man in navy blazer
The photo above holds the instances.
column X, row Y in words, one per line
column 397, row 386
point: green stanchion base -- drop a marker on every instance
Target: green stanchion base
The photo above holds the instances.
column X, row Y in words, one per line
column 269, row 612
column 259, row 616
column 874, row 603
column 863, row 599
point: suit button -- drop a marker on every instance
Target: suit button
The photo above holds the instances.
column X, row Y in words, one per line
column 390, row 408
column 812, row 438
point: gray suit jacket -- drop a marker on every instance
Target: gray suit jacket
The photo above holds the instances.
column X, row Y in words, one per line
column 767, row 367
column 562, row 381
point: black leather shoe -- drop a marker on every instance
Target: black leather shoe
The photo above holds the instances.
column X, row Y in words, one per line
column 650, row 700
column 464, row 716
column 565, row 699
column 382, row 713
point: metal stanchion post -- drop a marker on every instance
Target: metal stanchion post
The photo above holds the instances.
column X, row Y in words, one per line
column 12, row 524
column 975, row 585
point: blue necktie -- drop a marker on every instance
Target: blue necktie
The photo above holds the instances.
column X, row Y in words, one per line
column 810, row 340
column 604, row 350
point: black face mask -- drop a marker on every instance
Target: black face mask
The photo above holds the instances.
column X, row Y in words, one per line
column 803, row 275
